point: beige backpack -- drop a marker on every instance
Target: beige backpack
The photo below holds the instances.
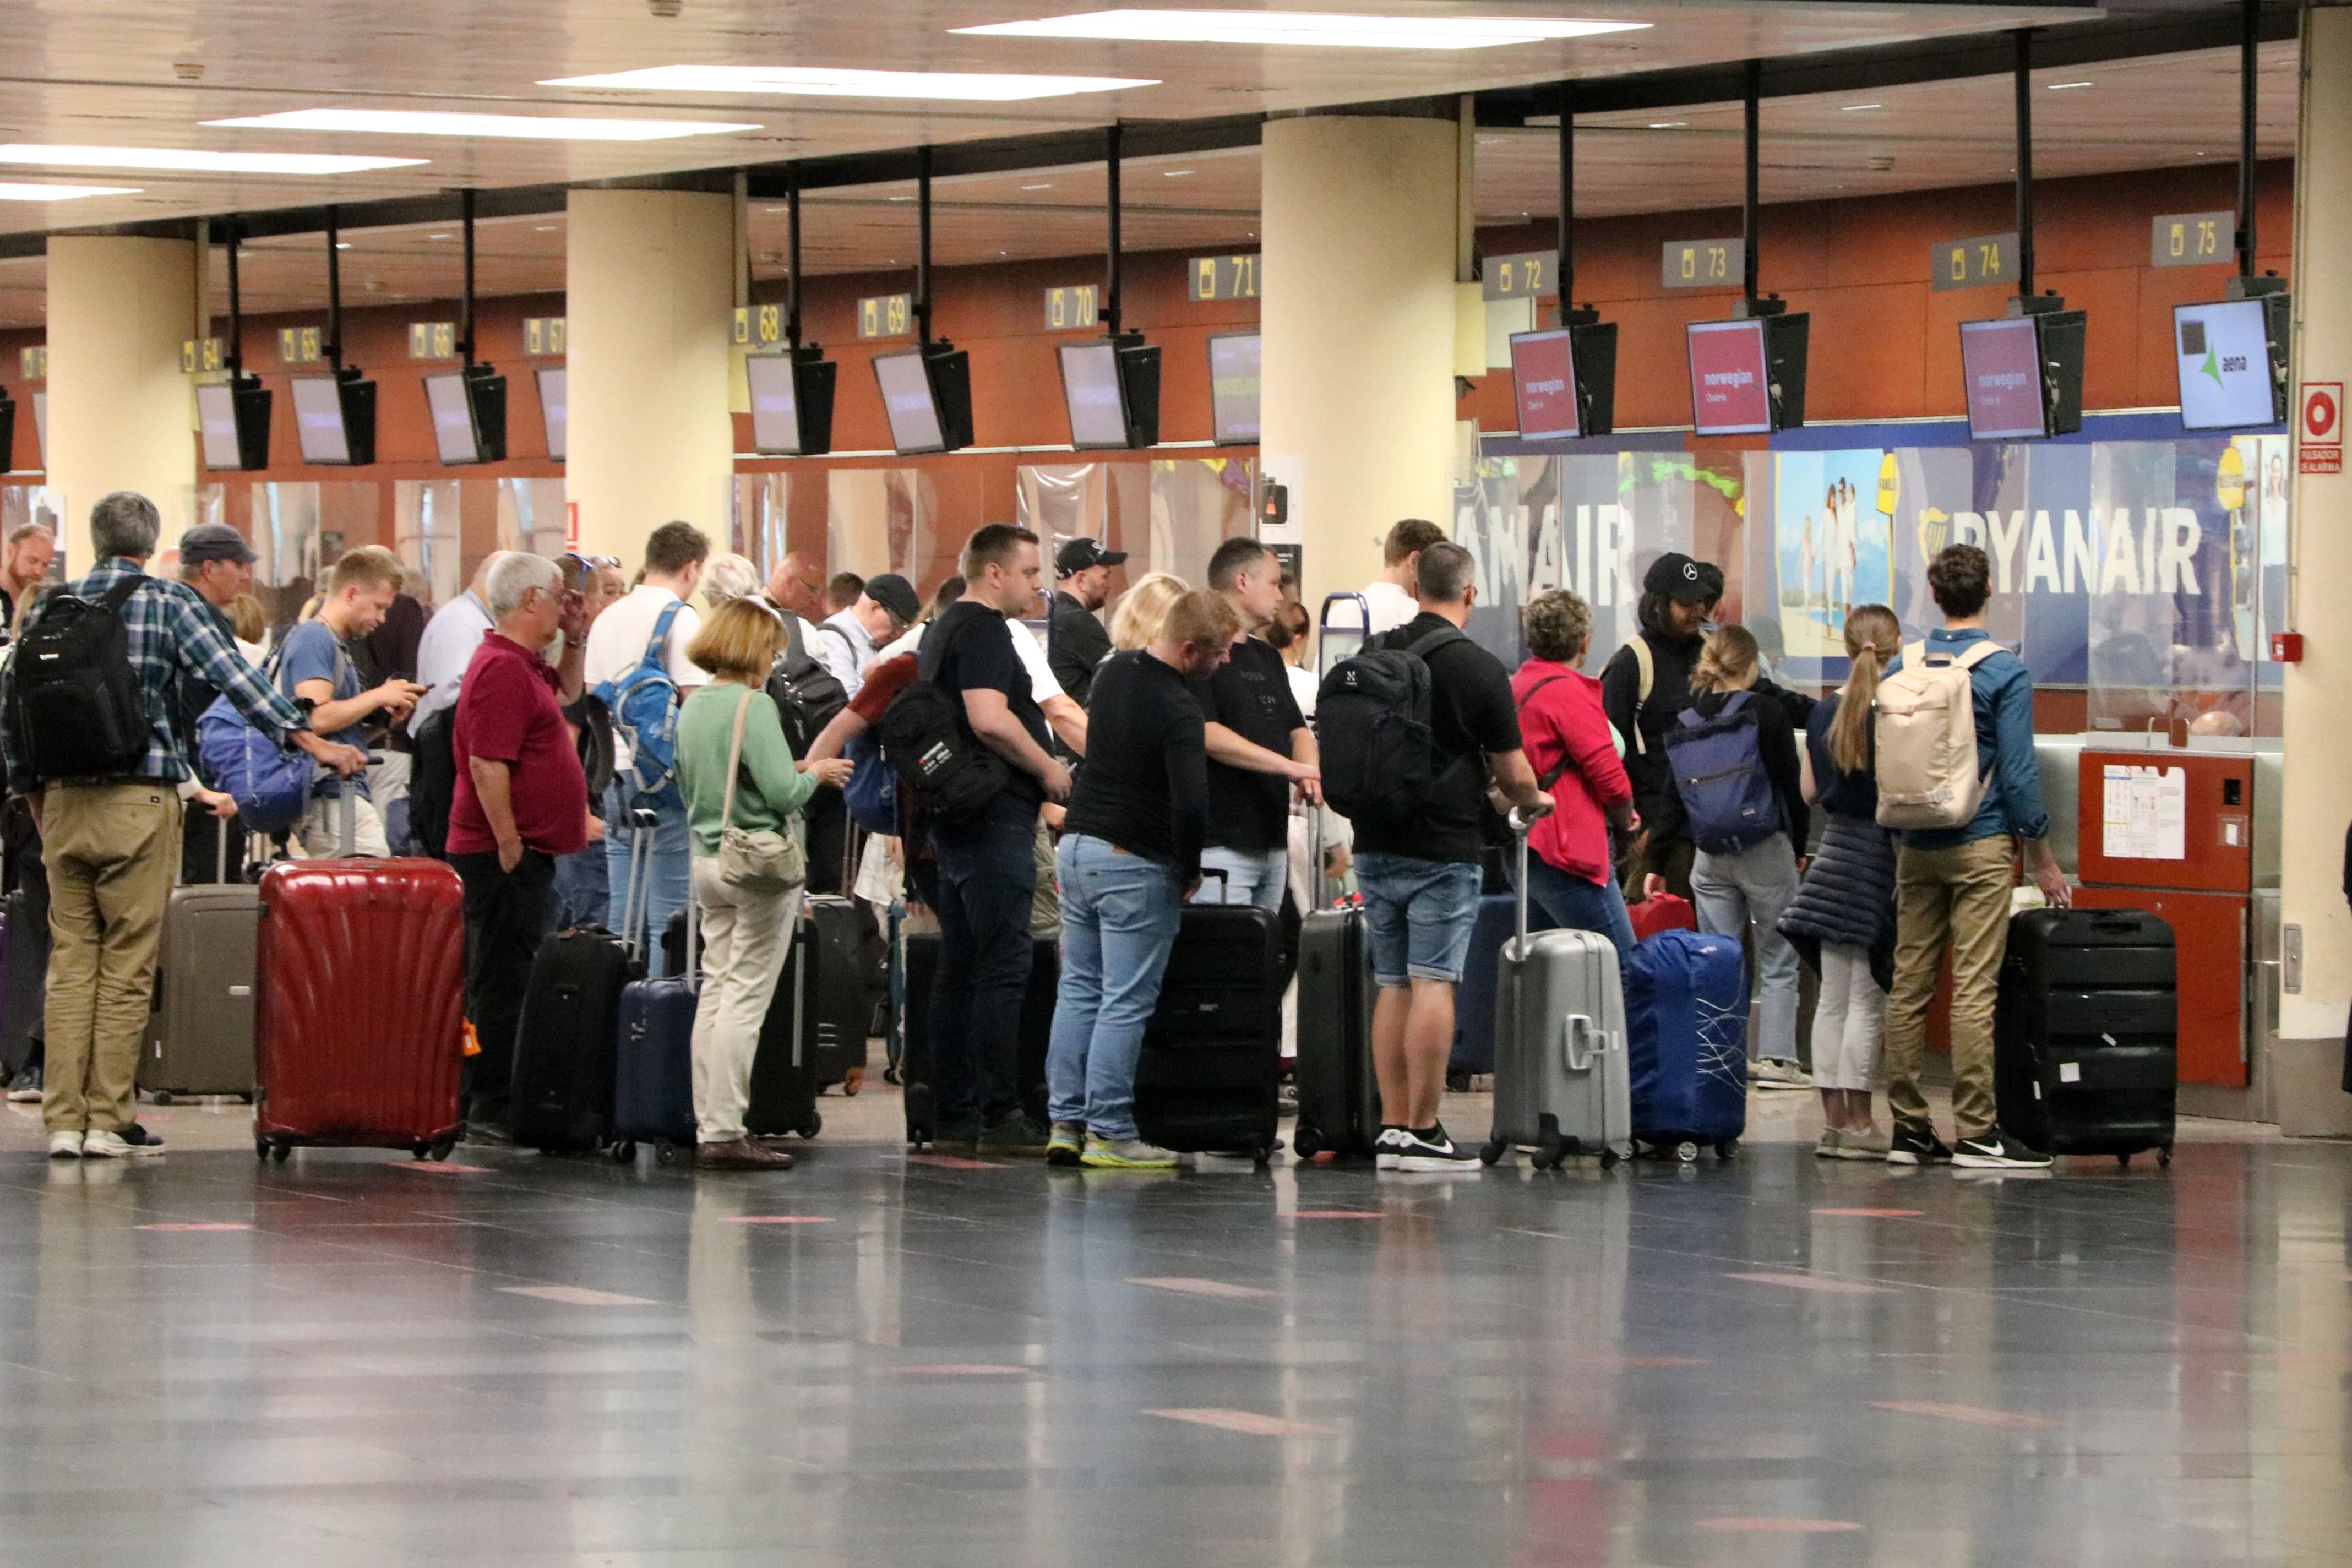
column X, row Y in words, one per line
column 1926, row 740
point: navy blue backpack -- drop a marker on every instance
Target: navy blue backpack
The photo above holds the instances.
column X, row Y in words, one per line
column 1718, row 768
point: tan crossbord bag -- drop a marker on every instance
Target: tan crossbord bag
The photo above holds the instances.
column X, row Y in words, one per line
column 1926, row 740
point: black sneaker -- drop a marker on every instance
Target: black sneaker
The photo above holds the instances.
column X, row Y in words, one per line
column 959, row 1135
column 1432, row 1150
column 1016, row 1134
column 1994, row 1150
column 137, row 1137
column 1917, row 1144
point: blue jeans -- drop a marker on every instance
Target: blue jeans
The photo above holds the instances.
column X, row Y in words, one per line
column 1250, row 877
column 584, row 892
column 669, row 862
column 1120, row 914
column 1419, row 915
column 1576, row 904
column 987, row 875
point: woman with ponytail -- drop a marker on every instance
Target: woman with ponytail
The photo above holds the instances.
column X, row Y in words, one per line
column 1843, row 921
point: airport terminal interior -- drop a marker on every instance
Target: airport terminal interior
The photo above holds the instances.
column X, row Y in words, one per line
column 1805, row 293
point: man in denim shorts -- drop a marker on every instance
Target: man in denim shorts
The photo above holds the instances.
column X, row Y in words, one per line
column 1421, row 879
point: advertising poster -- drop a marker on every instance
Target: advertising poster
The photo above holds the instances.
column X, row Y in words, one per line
column 1832, row 542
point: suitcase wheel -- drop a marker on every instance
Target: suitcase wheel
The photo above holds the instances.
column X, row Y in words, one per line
column 1457, row 1080
column 852, row 1082
column 1495, row 1149
column 441, row 1150
column 667, row 1154
column 261, row 1149
column 162, row 1096
column 1263, row 1155
column 1686, row 1151
column 1609, row 1158
column 812, row 1126
column 2124, row 1161
column 2163, row 1156
column 1304, row 1141
column 624, row 1152
column 1728, row 1149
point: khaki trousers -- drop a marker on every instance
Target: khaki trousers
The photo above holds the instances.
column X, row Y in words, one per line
column 112, row 851
column 745, row 943
column 1956, row 899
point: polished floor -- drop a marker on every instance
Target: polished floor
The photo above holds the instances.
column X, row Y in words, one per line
column 356, row 1360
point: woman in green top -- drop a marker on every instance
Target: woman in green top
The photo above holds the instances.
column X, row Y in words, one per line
column 746, row 932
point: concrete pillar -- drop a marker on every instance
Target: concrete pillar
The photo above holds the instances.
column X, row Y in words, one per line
column 1357, row 303
column 2307, row 1069
column 648, row 282
column 121, row 412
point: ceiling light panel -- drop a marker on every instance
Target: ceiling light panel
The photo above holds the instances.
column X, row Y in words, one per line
column 1322, row 29
column 810, row 81
column 10, row 192
column 526, row 127
column 183, row 159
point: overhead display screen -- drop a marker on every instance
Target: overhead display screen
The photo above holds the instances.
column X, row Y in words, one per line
column 2002, row 362
column 907, row 395
column 775, row 405
column 1091, row 388
column 1543, row 375
column 552, row 395
column 1234, row 387
column 2224, row 355
column 453, row 421
column 1729, row 395
column 318, row 420
column 216, row 426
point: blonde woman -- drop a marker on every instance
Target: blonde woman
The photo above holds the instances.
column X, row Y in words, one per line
column 1136, row 623
column 1734, row 886
column 1843, row 917
column 737, row 771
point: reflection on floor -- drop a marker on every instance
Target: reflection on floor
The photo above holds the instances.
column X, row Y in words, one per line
column 356, row 1360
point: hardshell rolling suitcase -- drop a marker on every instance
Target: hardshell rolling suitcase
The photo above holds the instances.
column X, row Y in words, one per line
column 816, row 1028
column 1209, row 1076
column 653, row 1074
column 359, row 1025
column 1661, row 911
column 1561, row 1084
column 200, row 1013
column 1686, row 1042
column 24, row 971
column 918, row 962
column 567, row 1041
column 1339, row 1096
column 1476, row 1036
column 2086, row 1031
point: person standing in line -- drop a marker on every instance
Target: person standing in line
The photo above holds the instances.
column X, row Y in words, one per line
column 112, row 845
column 1260, row 752
column 728, row 576
column 520, row 803
column 217, row 563
column 1393, row 598
column 1952, row 891
column 24, row 566
column 797, row 591
column 582, row 892
column 447, row 645
column 1842, row 918
column 736, row 770
column 1129, row 855
column 1732, row 888
column 315, row 669
column 1644, row 687
column 847, row 643
column 1569, row 744
column 1136, row 623
column 1080, row 640
column 841, row 591
column 623, row 639
column 987, row 869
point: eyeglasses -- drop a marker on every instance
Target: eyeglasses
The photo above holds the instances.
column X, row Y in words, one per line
column 592, row 560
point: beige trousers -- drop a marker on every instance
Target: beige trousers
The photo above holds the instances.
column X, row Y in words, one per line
column 1957, row 900
column 743, row 949
column 112, row 852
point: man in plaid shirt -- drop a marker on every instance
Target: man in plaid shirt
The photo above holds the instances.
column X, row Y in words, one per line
column 112, row 846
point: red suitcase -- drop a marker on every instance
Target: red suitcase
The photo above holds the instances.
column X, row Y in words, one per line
column 359, row 1027
column 1664, row 912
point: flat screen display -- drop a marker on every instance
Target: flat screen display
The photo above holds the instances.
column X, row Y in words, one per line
column 1543, row 375
column 775, row 405
column 551, row 409
column 2002, row 362
column 2224, row 355
column 453, row 421
column 216, row 426
column 318, row 420
column 1730, row 395
column 914, row 413
column 1233, row 387
column 1091, row 388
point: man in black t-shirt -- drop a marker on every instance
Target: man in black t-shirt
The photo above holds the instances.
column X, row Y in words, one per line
column 1080, row 641
column 987, row 869
column 1421, row 879
column 1260, row 748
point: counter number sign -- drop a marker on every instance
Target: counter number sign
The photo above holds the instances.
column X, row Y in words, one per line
column 1073, row 308
column 1703, row 264
column 758, row 324
column 2192, row 239
column 885, row 316
column 1973, row 262
column 33, row 363
column 432, row 339
column 1223, row 278
column 2319, row 429
column 1532, row 275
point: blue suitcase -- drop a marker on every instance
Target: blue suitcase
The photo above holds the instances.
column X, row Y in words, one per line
column 1473, row 999
column 653, row 1071
column 1687, row 1026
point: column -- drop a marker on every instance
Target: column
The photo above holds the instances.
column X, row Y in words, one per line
column 2307, row 1069
column 1357, row 303
column 648, row 282
column 121, row 412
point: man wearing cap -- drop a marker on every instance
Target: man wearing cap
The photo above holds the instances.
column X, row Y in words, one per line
column 1080, row 641
column 846, row 640
column 1643, row 690
column 216, row 560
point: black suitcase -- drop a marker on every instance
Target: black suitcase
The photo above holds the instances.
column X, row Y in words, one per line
column 918, row 962
column 814, row 1033
column 1210, row 1078
column 1338, row 1094
column 2085, row 1033
column 24, row 971
column 567, row 1040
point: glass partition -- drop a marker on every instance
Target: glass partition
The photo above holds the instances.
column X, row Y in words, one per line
column 533, row 516
column 429, row 535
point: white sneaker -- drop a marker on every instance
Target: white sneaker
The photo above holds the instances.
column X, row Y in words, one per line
column 1435, row 1153
column 1389, row 1147
column 1769, row 1072
column 64, row 1145
column 111, row 1146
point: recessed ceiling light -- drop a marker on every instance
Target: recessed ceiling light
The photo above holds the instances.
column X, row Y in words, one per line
column 1858, row 108
column 1306, row 28
column 1178, row 174
column 1669, row 124
column 343, row 245
column 20, row 193
column 988, row 87
column 1047, row 186
column 2063, row 86
column 542, row 228
column 183, row 159
column 440, row 236
column 533, row 127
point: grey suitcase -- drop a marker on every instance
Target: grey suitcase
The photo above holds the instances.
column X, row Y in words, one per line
column 200, row 1015
column 1562, row 1082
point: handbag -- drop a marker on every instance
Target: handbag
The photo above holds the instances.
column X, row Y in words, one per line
column 757, row 861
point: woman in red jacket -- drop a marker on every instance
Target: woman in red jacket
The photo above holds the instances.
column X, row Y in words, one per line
column 1574, row 753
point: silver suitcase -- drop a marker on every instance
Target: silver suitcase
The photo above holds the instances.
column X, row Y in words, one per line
column 1561, row 1083
column 200, row 1017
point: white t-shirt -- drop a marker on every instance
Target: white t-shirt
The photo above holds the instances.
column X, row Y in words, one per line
column 1390, row 605
column 616, row 643
column 1303, row 686
column 1042, row 682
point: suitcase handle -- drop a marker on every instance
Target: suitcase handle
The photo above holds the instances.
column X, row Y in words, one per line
column 1576, row 1027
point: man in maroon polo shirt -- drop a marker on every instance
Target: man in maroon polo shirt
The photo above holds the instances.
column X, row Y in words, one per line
column 522, row 800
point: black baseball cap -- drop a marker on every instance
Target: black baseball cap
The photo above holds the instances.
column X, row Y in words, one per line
column 215, row 542
column 1080, row 554
column 1684, row 580
column 895, row 595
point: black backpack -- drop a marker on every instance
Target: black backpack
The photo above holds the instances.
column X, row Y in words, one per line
column 807, row 696
column 433, row 782
column 951, row 771
column 75, row 707
column 1380, row 756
